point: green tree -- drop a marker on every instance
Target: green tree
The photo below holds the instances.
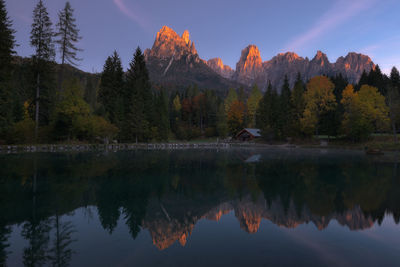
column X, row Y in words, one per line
column 284, row 110
column 139, row 111
column 67, row 35
column 162, row 121
column 377, row 79
column 42, row 41
column 298, row 105
column 72, row 112
column 365, row 112
column 393, row 100
column 222, row 124
column 7, row 43
column 319, row 99
column 252, row 104
column 111, row 87
column 266, row 117
column 331, row 120
column 230, row 98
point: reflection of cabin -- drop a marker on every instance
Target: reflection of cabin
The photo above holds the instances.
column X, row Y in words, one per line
column 248, row 134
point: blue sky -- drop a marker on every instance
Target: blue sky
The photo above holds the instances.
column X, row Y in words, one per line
column 223, row 28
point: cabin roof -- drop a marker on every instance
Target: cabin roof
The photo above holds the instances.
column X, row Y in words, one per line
column 253, row 132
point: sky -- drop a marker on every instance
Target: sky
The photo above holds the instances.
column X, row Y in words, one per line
column 223, row 28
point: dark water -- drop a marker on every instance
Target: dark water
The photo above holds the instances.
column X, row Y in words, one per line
column 200, row 208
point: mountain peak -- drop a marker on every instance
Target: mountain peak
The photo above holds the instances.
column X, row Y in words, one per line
column 251, row 52
column 249, row 67
column 169, row 44
column 288, row 56
column 354, row 63
column 320, row 56
column 250, row 59
column 185, row 37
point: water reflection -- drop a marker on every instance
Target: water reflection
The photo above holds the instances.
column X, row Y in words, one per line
column 168, row 192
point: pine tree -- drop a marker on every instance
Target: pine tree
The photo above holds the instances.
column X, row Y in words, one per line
column 266, row 113
column 393, row 100
column 363, row 79
column 377, row 79
column 67, row 35
column 284, row 109
column 297, row 104
column 162, row 121
column 111, row 87
column 395, row 78
column 7, row 43
column 138, row 105
column 222, row 124
column 42, row 41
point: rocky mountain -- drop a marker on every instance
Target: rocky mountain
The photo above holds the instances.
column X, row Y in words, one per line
column 250, row 69
column 173, row 61
column 218, row 66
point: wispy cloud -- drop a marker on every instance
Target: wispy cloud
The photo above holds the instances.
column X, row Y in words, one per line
column 132, row 12
column 390, row 44
column 385, row 53
column 340, row 12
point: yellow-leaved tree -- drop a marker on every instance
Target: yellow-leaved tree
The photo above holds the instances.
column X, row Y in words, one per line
column 252, row 105
column 365, row 111
column 319, row 99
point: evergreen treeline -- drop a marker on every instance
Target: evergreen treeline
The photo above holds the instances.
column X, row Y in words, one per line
column 40, row 102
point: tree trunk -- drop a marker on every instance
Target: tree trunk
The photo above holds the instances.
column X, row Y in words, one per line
column 394, row 131
column 37, row 107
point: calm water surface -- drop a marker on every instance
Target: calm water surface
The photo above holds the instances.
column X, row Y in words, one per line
column 237, row 207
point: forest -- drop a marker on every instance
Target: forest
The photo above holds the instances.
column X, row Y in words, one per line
column 43, row 100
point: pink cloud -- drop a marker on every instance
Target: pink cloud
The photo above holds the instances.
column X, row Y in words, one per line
column 342, row 11
column 133, row 15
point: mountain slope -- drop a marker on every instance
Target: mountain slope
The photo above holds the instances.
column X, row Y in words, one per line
column 173, row 62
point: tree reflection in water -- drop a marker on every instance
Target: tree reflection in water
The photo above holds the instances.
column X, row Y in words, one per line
column 168, row 192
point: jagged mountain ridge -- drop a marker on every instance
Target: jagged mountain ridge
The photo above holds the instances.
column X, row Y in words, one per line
column 171, row 219
column 173, row 60
column 251, row 69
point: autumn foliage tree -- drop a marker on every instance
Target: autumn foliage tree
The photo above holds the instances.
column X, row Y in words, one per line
column 252, row 104
column 365, row 112
column 236, row 116
column 319, row 99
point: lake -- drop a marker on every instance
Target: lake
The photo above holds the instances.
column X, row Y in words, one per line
column 229, row 207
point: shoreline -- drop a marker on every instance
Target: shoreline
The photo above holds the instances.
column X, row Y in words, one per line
column 59, row 148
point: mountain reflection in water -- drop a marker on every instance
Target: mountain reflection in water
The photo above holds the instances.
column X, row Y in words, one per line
column 168, row 192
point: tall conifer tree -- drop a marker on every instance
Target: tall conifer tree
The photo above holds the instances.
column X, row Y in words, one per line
column 67, row 35
column 42, row 41
column 298, row 104
column 7, row 43
column 111, row 87
column 138, row 101
column 285, row 109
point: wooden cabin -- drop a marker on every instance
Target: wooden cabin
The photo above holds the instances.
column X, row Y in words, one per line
column 248, row 134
